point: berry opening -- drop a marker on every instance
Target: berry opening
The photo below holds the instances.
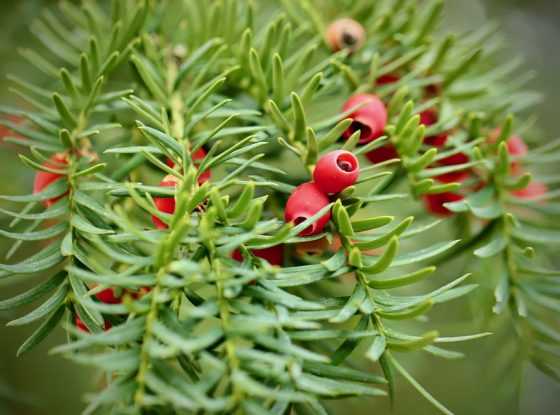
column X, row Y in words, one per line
column 348, row 39
column 307, row 231
column 365, row 131
column 346, row 163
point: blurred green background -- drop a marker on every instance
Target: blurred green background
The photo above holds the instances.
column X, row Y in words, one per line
column 484, row 383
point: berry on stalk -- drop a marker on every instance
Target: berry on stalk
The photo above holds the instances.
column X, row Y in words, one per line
column 370, row 118
column 306, row 200
column 336, row 171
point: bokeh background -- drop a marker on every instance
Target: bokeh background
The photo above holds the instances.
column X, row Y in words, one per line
column 484, row 383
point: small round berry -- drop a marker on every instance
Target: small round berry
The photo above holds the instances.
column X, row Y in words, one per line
column 197, row 157
column 303, row 203
column 108, row 296
column 381, row 154
column 455, row 176
column 435, row 203
column 44, row 179
column 335, row 171
column 534, row 190
column 165, row 204
column 370, row 119
column 345, row 34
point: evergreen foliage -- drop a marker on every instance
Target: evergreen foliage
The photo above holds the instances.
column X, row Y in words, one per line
column 255, row 84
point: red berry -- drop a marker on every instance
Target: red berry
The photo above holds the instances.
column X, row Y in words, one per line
column 107, row 296
column 430, row 117
column 370, row 119
column 434, row 203
column 456, row 176
column 43, row 179
column 82, row 326
column 198, row 155
column 335, row 171
column 345, row 34
column 534, row 190
column 381, row 154
column 387, row 79
column 274, row 255
column 165, row 204
column 304, row 202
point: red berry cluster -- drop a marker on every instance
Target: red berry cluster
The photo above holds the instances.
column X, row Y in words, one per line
column 334, row 172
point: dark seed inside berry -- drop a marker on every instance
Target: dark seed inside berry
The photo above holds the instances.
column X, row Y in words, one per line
column 345, row 165
column 299, row 219
column 364, row 130
column 349, row 39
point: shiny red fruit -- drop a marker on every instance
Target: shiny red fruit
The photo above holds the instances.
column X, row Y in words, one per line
column 534, row 190
column 165, row 204
column 107, row 296
column 336, row 171
column 44, row 179
column 82, row 326
column 306, row 200
column 434, row 203
column 456, row 176
column 370, row 119
column 274, row 255
column 381, row 154
column 197, row 156
column 345, row 34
